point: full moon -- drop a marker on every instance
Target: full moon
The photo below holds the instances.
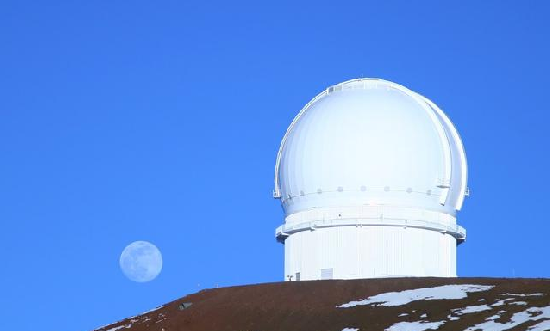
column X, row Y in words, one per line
column 141, row 261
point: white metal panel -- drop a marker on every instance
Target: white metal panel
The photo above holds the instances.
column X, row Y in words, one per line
column 372, row 252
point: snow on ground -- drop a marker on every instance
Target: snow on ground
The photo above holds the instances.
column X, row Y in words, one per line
column 446, row 292
column 152, row 310
column 124, row 326
column 518, row 303
column 509, row 301
column 350, row 329
column 161, row 317
column 500, row 303
column 542, row 326
column 538, row 314
column 523, row 294
column 517, row 319
column 470, row 309
column 415, row 326
column 133, row 318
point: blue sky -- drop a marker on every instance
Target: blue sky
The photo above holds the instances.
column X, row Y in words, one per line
column 160, row 121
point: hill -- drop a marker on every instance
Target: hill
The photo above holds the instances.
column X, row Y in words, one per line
column 393, row 304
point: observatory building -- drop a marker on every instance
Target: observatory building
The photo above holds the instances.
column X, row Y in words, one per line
column 370, row 176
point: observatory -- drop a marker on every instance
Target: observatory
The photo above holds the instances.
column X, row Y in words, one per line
column 370, row 176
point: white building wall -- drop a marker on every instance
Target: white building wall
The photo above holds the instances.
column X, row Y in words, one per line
column 370, row 252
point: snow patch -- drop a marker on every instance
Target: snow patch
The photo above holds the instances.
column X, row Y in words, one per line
column 446, row 292
column 470, row 309
column 139, row 315
column 403, row 315
column 350, row 329
column 544, row 325
column 152, row 310
column 124, row 326
column 499, row 303
column 415, row 326
column 518, row 303
column 523, row 294
column 509, row 301
column 467, row 310
column 517, row 319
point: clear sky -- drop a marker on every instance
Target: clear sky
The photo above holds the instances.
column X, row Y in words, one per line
column 160, row 121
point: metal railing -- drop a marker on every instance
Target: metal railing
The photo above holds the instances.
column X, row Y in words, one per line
column 285, row 230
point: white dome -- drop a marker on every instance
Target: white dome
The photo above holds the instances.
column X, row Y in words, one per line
column 371, row 142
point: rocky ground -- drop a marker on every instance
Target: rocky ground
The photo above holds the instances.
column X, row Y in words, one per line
column 393, row 304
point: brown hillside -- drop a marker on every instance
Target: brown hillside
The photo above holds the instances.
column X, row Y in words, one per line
column 512, row 304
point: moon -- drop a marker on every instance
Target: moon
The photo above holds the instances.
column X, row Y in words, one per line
column 141, row 261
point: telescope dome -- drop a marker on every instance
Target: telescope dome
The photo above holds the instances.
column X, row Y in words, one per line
column 371, row 142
